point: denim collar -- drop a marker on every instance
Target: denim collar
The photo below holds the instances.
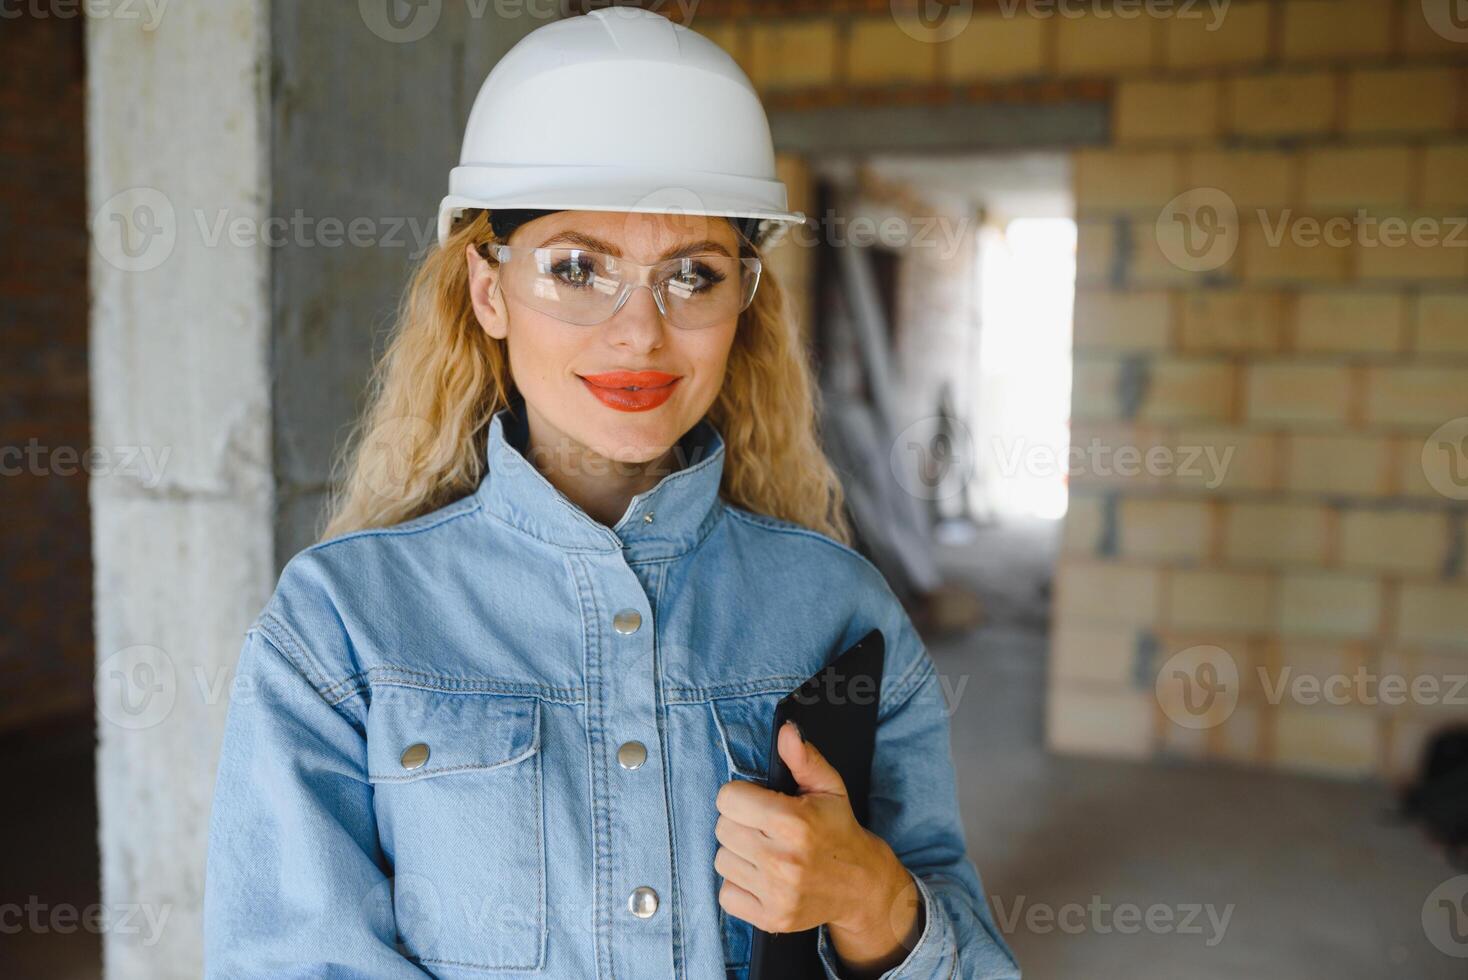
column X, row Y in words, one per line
column 663, row 522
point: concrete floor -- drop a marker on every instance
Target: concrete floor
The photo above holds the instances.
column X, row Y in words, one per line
column 1323, row 881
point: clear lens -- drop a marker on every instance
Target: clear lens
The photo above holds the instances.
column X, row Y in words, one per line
column 585, row 288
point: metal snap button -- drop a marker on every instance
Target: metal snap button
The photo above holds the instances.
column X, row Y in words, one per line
column 643, row 902
column 631, row 755
column 627, row 621
column 415, row 755
column 647, row 518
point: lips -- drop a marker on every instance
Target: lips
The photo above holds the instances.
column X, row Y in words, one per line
column 631, row 391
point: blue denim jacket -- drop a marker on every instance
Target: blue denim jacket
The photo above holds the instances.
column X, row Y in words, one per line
column 455, row 747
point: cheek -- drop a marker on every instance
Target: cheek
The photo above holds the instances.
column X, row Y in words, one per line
column 542, row 348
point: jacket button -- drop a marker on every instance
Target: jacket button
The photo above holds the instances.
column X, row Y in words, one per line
column 647, row 518
column 643, row 902
column 627, row 621
column 631, row 755
column 415, row 755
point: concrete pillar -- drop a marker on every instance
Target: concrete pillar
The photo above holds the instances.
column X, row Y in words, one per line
column 231, row 143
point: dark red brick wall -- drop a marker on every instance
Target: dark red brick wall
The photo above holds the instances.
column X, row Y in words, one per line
column 45, row 538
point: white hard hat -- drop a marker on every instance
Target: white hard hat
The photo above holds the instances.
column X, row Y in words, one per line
column 618, row 110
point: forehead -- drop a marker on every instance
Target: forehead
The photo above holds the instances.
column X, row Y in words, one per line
column 640, row 237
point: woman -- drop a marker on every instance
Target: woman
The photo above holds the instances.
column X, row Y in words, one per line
column 512, row 715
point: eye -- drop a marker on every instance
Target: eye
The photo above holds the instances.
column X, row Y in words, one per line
column 575, row 270
column 694, row 277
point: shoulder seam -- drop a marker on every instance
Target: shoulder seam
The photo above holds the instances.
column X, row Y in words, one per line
column 274, row 641
column 790, row 527
column 427, row 522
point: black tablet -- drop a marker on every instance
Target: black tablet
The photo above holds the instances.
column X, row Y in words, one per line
column 837, row 711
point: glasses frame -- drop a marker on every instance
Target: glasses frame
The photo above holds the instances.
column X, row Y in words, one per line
column 503, row 254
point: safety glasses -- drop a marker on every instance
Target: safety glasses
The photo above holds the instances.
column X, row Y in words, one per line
column 584, row 287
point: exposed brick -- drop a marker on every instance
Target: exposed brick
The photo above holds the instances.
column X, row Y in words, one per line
column 997, row 47
column 1093, row 655
column 1442, row 323
column 1241, row 37
column 1241, row 601
column 1357, row 176
column 1123, row 179
column 1336, row 29
column 1444, row 175
column 1115, row 455
column 793, row 54
column 1394, row 540
column 1329, row 604
column 1290, row 392
column 1413, row 247
column 1355, row 465
column 1233, row 320
column 1291, row 247
column 1105, row 592
column 1252, row 178
column 1084, row 520
column 1094, row 387
column 1188, row 390
column 1328, row 740
column 1095, row 252
column 1350, row 322
column 1164, row 529
column 1099, row 721
column 879, row 52
column 1282, row 104
column 1130, row 321
column 1419, row 37
column 1435, row 614
column 1225, row 460
column 1101, row 45
column 1416, row 395
column 1166, row 111
column 1279, row 533
column 1401, row 100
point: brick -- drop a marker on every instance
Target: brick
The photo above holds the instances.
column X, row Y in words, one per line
column 1186, row 390
column 1329, row 604
column 1292, row 393
column 1092, row 721
column 1309, row 672
column 1093, row 655
column 1394, row 540
column 1237, row 601
column 1435, row 614
column 1233, row 320
column 1291, row 247
column 1420, row 37
column 1442, row 323
column 1225, row 460
column 1084, row 520
column 1412, row 467
column 997, row 47
column 1124, row 179
column 1107, row 593
column 1328, row 740
column 1167, row 251
column 1336, row 29
column 880, row 52
column 1354, row 465
column 1253, row 178
column 1357, row 176
column 1164, row 529
column 1350, row 322
column 1401, row 100
column 1282, row 104
column 1444, row 175
column 1094, row 390
column 1095, row 252
column 793, row 54
column 1241, row 739
column 1412, row 247
column 1239, row 38
column 1103, row 45
column 1121, row 321
column 1166, row 111
column 1277, row 533
column 1114, row 455
column 1427, row 396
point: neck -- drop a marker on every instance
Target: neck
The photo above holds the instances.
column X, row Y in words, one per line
column 599, row 485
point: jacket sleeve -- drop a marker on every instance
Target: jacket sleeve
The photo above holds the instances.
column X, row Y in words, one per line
column 295, row 884
column 914, row 808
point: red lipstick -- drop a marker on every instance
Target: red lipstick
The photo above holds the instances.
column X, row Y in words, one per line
column 631, row 391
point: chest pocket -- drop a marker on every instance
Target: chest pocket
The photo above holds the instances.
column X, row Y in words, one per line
column 457, row 788
column 744, row 726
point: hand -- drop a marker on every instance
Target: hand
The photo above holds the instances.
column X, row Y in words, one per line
column 795, row 862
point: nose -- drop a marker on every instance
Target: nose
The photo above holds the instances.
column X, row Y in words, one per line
column 638, row 324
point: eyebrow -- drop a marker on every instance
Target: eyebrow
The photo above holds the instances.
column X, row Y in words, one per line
column 597, row 245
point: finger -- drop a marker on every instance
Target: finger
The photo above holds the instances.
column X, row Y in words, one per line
column 813, row 774
column 736, row 869
column 749, row 843
column 752, row 805
column 740, row 903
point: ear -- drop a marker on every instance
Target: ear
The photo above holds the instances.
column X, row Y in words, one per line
column 485, row 295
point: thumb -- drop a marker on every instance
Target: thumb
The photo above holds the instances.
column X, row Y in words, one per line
column 813, row 774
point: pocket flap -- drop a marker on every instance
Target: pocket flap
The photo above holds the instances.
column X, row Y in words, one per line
column 744, row 725
column 446, row 732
